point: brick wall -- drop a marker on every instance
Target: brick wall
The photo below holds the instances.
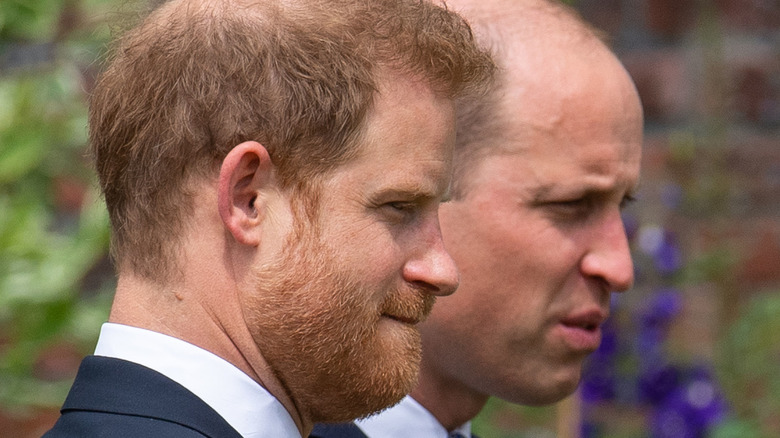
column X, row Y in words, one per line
column 708, row 73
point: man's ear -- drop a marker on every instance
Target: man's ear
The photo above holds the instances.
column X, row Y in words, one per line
column 245, row 171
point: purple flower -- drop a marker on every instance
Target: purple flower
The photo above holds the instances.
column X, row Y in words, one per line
column 668, row 257
column 670, row 422
column 662, row 307
column 689, row 412
column 609, row 341
column 598, row 379
column 657, row 384
column 650, row 343
column 590, row 430
column 705, row 401
column 598, row 386
column 691, row 408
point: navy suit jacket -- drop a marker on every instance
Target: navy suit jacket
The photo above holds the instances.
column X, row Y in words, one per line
column 346, row 430
column 120, row 399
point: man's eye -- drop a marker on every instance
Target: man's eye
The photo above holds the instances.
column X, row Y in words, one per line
column 399, row 211
column 401, row 206
column 627, row 200
column 570, row 203
column 570, row 208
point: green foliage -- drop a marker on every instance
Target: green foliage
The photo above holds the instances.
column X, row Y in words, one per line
column 25, row 19
column 734, row 428
column 500, row 419
column 53, row 226
column 748, row 367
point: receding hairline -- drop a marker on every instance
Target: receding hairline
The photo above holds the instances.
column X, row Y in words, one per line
column 509, row 25
column 508, row 29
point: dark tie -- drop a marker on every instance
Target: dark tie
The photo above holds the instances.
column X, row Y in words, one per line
column 455, row 435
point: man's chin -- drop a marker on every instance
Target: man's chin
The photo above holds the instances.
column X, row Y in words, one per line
column 375, row 385
column 359, row 404
column 543, row 391
column 554, row 395
column 364, row 407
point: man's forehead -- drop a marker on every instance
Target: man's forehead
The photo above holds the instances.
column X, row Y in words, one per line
column 406, row 141
column 406, row 174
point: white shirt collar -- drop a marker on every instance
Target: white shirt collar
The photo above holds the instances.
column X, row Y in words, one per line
column 258, row 414
column 406, row 419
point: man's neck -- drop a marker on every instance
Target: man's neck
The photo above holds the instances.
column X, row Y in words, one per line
column 451, row 402
column 139, row 304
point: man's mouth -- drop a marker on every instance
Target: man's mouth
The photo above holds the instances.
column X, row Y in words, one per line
column 411, row 320
column 410, row 310
column 582, row 326
column 589, row 321
column 582, row 331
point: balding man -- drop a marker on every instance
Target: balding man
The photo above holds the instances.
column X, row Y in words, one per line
column 543, row 167
column 273, row 172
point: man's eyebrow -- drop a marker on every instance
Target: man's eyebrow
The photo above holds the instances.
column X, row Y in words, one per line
column 412, row 192
column 541, row 192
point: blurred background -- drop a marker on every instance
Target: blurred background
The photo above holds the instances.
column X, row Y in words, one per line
column 692, row 351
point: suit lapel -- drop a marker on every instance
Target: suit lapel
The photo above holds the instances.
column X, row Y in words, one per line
column 113, row 385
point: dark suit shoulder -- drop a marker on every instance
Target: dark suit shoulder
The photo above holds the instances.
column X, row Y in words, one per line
column 116, row 398
column 80, row 424
column 345, row 430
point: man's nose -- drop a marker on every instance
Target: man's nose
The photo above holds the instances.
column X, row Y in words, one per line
column 433, row 268
column 609, row 257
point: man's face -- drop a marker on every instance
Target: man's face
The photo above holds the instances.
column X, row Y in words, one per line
column 335, row 315
column 538, row 238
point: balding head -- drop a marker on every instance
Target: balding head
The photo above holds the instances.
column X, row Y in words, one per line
column 546, row 54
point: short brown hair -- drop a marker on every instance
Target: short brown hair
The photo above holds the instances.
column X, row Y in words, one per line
column 196, row 78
